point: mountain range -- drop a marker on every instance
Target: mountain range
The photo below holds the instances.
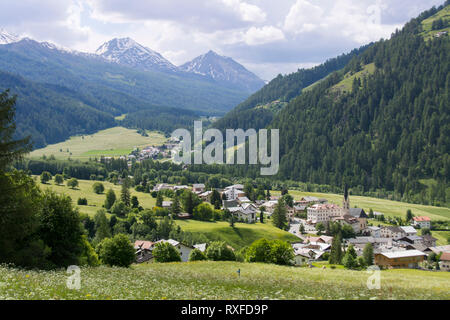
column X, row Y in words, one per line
column 122, row 77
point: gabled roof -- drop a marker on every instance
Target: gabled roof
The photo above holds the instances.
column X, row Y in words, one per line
column 198, row 185
column 141, row 244
column 229, row 204
column 445, row 256
column 403, row 254
column 243, row 199
column 171, row 241
column 421, row 218
column 409, row 229
column 395, row 229
column 235, row 186
column 439, row 249
column 358, row 213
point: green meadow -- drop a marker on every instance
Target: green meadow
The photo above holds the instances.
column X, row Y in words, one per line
column 427, row 33
column 346, row 84
column 95, row 201
column 112, row 142
column 219, row 280
column 243, row 234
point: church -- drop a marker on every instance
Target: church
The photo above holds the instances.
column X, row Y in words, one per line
column 355, row 217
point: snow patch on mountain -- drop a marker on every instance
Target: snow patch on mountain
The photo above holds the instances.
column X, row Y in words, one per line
column 128, row 52
column 223, row 69
column 6, row 37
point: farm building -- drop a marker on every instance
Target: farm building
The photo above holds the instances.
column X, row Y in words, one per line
column 399, row 259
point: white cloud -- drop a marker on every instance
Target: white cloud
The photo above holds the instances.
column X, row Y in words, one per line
column 303, row 17
column 266, row 34
column 269, row 36
column 248, row 12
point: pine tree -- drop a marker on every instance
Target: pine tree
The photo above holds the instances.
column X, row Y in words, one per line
column 103, row 229
column 279, row 215
column 125, row 195
column 159, row 199
column 368, row 254
column 176, row 208
column 336, row 250
column 10, row 150
column 110, row 199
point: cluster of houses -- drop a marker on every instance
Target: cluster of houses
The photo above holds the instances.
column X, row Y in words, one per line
column 144, row 249
column 394, row 246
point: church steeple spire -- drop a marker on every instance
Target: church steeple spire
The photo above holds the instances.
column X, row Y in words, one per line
column 346, row 202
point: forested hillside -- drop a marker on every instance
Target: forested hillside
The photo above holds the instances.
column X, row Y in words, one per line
column 389, row 131
column 49, row 113
column 252, row 113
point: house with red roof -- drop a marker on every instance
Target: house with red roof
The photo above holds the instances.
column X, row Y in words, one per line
column 422, row 222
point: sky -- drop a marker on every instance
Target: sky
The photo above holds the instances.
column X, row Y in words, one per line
column 268, row 37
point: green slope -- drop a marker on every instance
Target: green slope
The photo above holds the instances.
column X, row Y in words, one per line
column 241, row 235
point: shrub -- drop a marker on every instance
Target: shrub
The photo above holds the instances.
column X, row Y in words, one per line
column 219, row 251
column 165, row 252
column 197, row 255
column 120, row 209
column 82, row 202
column 98, row 187
column 46, row 176
column 259, row 251
column 59, row 179
column 203, row 212
column 72, row 183
column 117, row 251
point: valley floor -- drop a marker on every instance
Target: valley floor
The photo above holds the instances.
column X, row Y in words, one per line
column 219, row 280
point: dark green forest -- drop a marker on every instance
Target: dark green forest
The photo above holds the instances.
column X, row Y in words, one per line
column 389, row 132
column 283, row 88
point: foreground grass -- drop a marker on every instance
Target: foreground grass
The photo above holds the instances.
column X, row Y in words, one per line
column 387, row 207
column 115, row 141
column 96, row 201
column 243, row 234
column 219, row 280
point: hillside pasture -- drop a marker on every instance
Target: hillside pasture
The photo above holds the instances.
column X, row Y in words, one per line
column 112, row 142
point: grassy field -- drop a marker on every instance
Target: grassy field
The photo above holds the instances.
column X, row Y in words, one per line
column 346, row 84
column 427, row 23
column 243, row 234
column 387, row 207
column 95, row 201
column 115, row 141
column 219, row 280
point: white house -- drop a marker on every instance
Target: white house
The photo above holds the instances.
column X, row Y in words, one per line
column 323, row 212
column 444, row 265
column 422, row 222
column 374, row 231
column 392, row 232
column 409, row 230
